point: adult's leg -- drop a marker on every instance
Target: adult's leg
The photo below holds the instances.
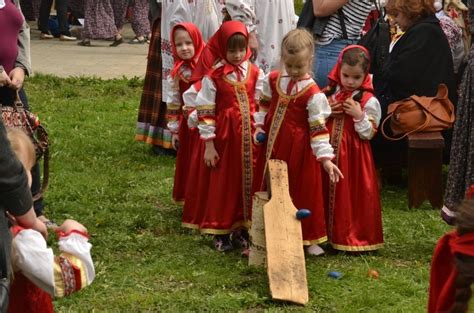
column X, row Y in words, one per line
column 45, row 11
column 61, row 9
column 325, row 58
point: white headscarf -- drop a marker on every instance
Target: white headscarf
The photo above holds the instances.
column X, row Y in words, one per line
column 2, row 4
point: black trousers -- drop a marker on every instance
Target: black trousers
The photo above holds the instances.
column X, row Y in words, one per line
column 7, row 97
column 45, row 10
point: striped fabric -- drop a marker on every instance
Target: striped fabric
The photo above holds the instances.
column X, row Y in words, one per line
column 355, row 14
column 151, row 124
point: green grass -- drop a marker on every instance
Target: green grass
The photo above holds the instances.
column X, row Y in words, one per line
column 146, row 262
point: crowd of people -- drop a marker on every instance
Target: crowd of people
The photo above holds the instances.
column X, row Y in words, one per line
column 102, row 19
column 232, row 84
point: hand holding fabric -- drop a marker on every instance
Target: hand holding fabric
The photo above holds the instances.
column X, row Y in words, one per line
column 17, row 76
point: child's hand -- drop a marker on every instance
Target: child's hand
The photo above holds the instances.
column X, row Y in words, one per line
column 258, row 130
column 69, row 225
column 333, row 171
column 211, row 158
column 336, row 108
column 175, row 141
column 353, row 108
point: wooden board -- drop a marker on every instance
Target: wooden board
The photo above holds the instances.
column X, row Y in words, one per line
column 258, row 253
column 286, row 266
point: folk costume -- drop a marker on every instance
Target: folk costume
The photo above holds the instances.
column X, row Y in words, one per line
column 151, row 121
column 293, row 115
column 40, row 275
column 177, row 114
column 221, row 200
column 354, row 217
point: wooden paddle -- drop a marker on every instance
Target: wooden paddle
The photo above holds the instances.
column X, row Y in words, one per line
column 286, row 266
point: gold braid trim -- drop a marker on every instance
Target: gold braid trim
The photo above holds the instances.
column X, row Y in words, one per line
column 335, row 140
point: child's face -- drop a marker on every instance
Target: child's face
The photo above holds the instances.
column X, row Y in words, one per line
column 297, row 65
column 235, row 56
column 184, row 44
column 352, row 77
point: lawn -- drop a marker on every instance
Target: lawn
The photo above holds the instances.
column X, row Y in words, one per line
column 145, row 261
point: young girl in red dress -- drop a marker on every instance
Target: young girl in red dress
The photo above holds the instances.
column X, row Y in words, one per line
column 293, row 112
column 354, row 217
column 187, row 44
column 221, row 200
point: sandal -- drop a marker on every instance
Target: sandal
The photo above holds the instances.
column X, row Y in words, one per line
column 116, row 42
column 84, row 43
column 137, row 41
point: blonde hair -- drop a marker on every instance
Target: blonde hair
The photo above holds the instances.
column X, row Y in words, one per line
column 297, row 41
column 22, row 146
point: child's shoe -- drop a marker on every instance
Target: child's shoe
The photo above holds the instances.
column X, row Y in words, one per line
column 241, row 239
column 222, row 243
column 314, row 250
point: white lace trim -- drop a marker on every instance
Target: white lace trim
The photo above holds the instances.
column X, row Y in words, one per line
column 2, row 4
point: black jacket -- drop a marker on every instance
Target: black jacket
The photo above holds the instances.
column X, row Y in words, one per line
column 15, row 196
column 418, row 63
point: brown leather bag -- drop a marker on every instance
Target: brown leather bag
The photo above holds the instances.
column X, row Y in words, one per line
column 420, row 114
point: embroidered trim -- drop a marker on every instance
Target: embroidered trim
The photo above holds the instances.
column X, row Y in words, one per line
column 247, row 155
column 335, row 140
column 357, row 248
column 68, row 276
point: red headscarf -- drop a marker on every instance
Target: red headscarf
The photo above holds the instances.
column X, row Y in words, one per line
column 217, row 48
column 443, row 269
column 335, row 75
column 198, row 43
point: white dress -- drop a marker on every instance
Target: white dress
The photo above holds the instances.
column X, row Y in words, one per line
column 272, row 20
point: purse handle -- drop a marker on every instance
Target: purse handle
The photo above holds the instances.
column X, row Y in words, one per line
column 427, row 121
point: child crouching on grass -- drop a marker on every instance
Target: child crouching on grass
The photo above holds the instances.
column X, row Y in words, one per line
column 38, row 273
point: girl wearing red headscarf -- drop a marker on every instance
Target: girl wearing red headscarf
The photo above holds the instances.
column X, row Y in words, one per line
column 293, row 113
column 354, row 218
column 187, row 44
column 222, row 199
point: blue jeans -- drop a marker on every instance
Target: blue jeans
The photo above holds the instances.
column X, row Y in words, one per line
column 325, row 57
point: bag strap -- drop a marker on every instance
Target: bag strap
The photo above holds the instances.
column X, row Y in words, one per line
column 340, row 14
column 45, row 182
column 427, row 120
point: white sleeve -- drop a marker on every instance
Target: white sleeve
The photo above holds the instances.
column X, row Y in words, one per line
column 55, row 275
column 367, row 126
column 189, row 99
column 32, row 257
column 259, row 84
column 318, row 111
column 173, row 105
column 264, row 101
column 206, row 108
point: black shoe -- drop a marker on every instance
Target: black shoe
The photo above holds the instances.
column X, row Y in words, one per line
column 222, row 243
column 241, row 239
column 116, row 42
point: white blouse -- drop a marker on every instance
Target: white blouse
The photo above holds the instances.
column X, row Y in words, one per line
column 173, row 100
column 318, row 111
column 206, row 99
